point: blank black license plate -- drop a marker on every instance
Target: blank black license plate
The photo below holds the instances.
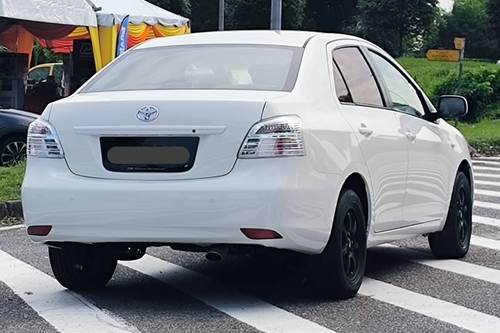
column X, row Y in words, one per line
column 149, row 154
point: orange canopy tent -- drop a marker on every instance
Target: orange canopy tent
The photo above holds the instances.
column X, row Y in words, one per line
column 146, row 21
column 23, row 21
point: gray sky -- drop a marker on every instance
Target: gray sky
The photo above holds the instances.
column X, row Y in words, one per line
column 446, row 4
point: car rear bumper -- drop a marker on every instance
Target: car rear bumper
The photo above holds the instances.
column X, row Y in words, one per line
column 285, row 195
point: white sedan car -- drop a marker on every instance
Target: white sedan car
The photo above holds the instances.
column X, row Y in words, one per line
column 231, row 141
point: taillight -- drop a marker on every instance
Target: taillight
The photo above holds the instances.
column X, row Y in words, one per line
column 274, row 137
column 43, row 140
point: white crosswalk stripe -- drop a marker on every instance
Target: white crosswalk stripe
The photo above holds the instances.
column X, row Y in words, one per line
column 457, row 315
column 65, row 310
column 485, row 168
column 455, row 266
column 490, row 193
column 250, row 310
column 491, row 163
column 492, row 244
column 486, row 220
column 486, row 204
column 487, row 182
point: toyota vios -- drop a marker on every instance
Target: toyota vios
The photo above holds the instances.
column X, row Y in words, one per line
column 224, row 142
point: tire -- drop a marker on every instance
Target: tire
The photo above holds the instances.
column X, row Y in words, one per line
column 338, row 271
column 12, row 150
column 453, row 241
column 81, row 267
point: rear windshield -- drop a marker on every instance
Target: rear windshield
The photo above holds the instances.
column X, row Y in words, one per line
column 224, row 67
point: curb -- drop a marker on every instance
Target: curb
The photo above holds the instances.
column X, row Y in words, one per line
column 11, row 209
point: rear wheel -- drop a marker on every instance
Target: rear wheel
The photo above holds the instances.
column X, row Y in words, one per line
column 338, row 271
column 81, row 267
column 454, row 241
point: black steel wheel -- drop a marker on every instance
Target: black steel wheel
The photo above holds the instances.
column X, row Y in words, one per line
column 454, row 240
column 338, row 271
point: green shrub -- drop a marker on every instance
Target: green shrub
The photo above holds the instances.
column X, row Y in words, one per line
column 481, row 89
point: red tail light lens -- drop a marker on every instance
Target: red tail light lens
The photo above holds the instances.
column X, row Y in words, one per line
column 39, row 230
column 260, row 233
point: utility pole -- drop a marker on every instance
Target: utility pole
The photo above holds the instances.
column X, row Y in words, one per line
column 276, row 6
column 221, row 15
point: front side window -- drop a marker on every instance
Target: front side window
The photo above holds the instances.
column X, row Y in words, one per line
column 358, row 76
column 224, row 67
column 402, row 93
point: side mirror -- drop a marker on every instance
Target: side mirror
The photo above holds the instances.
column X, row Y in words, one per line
column 452, row 107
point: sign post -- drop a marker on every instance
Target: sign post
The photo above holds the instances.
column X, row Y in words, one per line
column 460, row 45
column 221, row 15
column 276, row 6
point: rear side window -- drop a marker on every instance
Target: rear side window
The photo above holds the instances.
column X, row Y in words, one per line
column 358, row 76
column 222, row 67
column 340, row 87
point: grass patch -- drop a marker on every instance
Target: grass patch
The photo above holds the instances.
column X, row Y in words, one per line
column 10, row 182
column 484, row 136
column 429, row 74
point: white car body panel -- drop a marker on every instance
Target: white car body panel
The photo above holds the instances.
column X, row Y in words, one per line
column 295, row 196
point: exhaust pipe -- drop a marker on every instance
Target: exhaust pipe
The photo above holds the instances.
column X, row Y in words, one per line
column 216, row 253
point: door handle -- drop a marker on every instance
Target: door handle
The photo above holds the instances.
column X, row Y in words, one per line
column 365, row 130
column 411, row 136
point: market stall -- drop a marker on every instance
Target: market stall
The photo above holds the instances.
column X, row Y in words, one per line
column 146, row 21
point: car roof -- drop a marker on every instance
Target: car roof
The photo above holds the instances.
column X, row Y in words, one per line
column 18, row 113
column 260, row 37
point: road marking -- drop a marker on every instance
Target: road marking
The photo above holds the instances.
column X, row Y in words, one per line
column 486, row 163
column 12, row 227
column 487, row 158
column 485, row 204
column 481, row 168
column 489, row 243
column 455, row 266
column 485, row 220
column 64, row 310
column 486, row 182
column 490, row 176
column 487, row 192
column 250, row 310
column 454, row 314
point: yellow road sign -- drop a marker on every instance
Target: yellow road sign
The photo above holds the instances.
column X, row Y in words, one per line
column 459, row 43
column 443, row 55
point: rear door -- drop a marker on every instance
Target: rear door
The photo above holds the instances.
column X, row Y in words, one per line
column 382, row 144
column 428, row 167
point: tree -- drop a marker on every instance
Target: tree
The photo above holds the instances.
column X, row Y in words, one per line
column 493, row 9
column 470, row 19
column 394, row 23
column 330, row 15
column 204, row 15
column 180, row 7
column 255, row 14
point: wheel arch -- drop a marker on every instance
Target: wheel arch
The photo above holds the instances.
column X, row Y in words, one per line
column 358, row 184
column 466, row 168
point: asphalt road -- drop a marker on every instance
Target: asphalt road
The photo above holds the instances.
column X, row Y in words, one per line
column 405, row 290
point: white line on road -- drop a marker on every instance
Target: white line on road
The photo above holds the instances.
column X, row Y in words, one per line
column 490, row 176
column 457, row 315
column 486, row 204
column 487, row 192
column 250, row 310
column 481, row 168
column 486, row 220
column 64, row 310
column 489, row 243
column 487, row 158
column 486, row 163
column 486, row 182
column 455, row 266
column 12, row 227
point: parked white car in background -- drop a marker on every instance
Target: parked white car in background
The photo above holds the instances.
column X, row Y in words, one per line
column 315, row 143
